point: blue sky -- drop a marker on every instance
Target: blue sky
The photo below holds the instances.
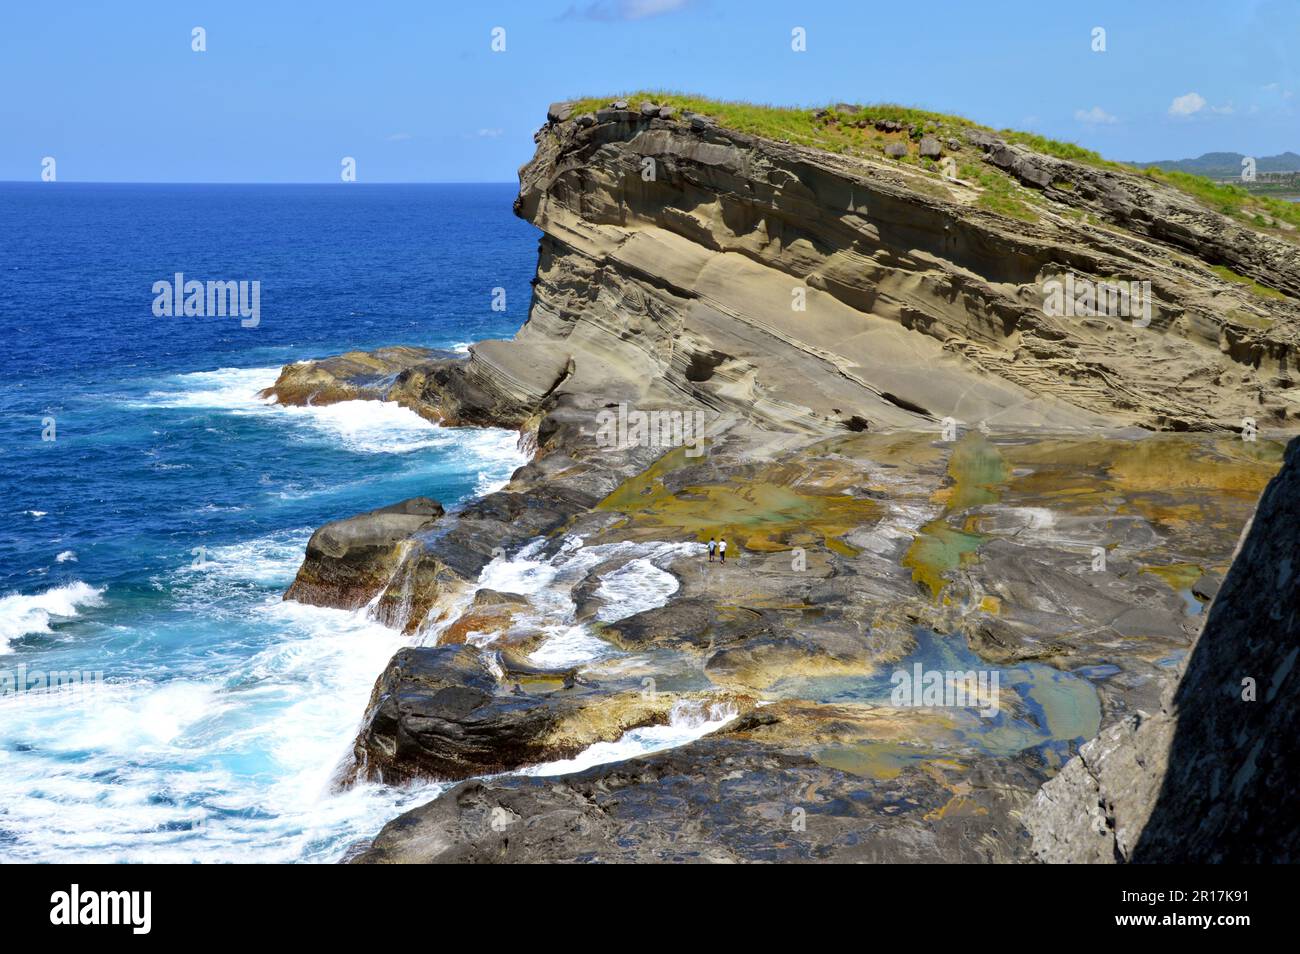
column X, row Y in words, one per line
column 413, row 91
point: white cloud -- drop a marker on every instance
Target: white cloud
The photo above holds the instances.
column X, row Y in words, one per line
column 1187, row 104
column 1094, row 117
column 623, row 9
column 637, row 9
column 399, row 137
column 489, row 133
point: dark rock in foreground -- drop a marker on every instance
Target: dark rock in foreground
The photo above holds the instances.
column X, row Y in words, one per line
column 439, row 712
column 716, row 800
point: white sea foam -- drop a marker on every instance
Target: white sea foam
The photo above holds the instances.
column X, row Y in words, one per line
column 235, row 766
column 65, row 556
column 22, row 615
column 638, row 583
column 271, row 560
column 688, row 721
column 498, row 454
column 368, row 427
column 232, row 389
column 636, row 586
column 362, row 426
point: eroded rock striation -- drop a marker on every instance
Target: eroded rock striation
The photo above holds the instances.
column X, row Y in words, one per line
column 915, row 461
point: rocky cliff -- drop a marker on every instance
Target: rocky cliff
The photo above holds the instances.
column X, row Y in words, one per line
column 806, row 287
column 920, row 464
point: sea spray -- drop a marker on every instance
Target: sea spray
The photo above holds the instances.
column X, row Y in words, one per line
column 689, row 719
column 23, row 615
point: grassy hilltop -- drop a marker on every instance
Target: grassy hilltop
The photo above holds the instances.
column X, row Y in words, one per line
column 839, row 128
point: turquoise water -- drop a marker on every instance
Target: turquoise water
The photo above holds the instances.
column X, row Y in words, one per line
column 150, row 541
column 1034, row 705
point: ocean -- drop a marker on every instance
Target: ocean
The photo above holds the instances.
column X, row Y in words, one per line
column 154, row 508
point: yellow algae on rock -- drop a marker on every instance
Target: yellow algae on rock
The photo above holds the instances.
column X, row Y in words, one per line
column 978, row 472
column 938, row 549
column 1178, row 576
column 759, row 510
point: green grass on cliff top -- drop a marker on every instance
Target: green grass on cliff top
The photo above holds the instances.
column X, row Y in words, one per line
column 772, row 122
column 801, row 126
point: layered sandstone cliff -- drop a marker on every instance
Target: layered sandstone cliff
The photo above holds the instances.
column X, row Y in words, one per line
column 916, row 461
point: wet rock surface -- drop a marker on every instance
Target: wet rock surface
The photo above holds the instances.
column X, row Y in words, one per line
column 721, row 800
column 356, row 375
column 1203, row 778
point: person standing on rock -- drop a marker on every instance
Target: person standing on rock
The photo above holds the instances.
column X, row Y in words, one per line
column 712, row 549
column 722, row 549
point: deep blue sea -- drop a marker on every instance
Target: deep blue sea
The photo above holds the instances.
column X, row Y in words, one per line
column 151, row 538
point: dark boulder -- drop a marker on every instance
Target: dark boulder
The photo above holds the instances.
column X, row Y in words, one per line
column 439, row 712
column 349, row 561
column 982, row 138
column 1025, row 166
column 684, row 623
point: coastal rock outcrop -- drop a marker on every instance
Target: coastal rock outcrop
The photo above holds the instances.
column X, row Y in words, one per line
column 919, row 467
column 911, row 302
column 440, row 712
column 356, row 375
column 728, row 798
column 351, row 561
column 1207, row 776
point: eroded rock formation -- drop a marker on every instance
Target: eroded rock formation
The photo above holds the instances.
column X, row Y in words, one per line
column 915, row 463
column 349, row 562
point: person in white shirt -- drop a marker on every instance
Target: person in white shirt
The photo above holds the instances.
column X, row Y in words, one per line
column 722, row 550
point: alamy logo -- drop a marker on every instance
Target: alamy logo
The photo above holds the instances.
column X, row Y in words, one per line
column 1084, row 298
column 196, row 299
column 103, row 907
column 632, row 428
column 64, row 686
column 936, row 687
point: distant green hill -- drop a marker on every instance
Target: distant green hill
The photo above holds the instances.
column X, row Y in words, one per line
column 1226, row 165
